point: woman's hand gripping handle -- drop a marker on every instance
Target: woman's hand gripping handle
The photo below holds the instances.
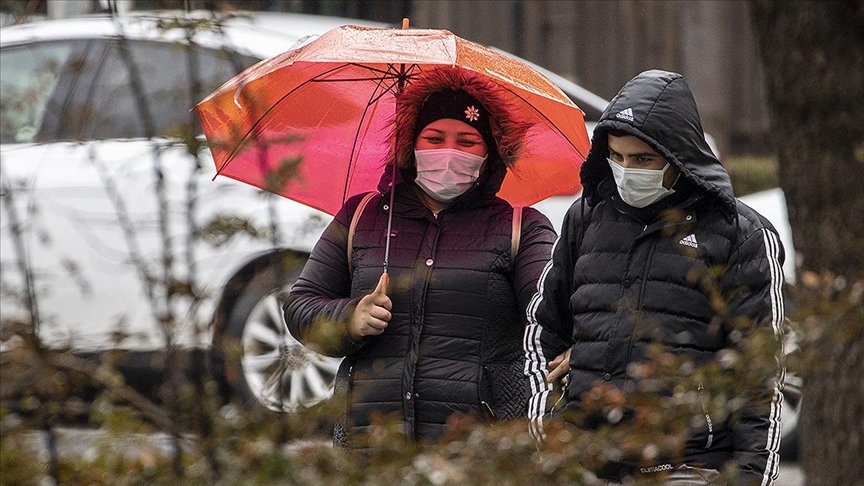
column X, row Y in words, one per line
column 372, row 314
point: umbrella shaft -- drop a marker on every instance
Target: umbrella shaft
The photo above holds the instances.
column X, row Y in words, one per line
column 389, row 222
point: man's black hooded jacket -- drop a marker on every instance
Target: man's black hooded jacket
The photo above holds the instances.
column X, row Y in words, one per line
column 695, row 273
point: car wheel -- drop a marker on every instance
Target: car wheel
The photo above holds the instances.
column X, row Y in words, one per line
column 263, row 364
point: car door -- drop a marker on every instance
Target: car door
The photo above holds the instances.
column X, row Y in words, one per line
column 38, row 80
column 111, row 197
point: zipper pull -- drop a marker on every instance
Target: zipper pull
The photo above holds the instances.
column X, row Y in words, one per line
column 488, row 412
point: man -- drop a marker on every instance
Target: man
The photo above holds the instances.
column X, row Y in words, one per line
column 658, row 251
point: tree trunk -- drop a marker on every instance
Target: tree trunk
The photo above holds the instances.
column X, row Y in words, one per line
column 813, row 61
column 832, row 412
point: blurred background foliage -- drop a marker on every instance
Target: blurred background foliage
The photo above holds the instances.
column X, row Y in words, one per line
column 230, row 444
column 249, row 447
column 752, row 173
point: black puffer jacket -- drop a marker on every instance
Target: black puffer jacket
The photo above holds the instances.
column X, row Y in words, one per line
column 623, row 278
column 458, row 298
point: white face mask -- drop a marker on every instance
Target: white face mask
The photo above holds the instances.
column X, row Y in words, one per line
column 445, row 174
column 639, row 187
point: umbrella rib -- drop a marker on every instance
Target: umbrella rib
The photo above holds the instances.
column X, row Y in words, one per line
column 266, row 112
column 373, row 78
column 385, row 75
column 391, row 74
column 357, row 137
column 543, row 115
column 402, row 77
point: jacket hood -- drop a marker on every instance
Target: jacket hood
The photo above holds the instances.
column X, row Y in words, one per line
column 508, row 130
column 658, row 108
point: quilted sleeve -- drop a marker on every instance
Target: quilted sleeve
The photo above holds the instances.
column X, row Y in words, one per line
column 549, row 328
column 318, row 306
column 753, row 285
column 535, row 249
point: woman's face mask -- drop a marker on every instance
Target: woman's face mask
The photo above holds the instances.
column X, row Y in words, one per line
column 639, row 187
column 445, row 174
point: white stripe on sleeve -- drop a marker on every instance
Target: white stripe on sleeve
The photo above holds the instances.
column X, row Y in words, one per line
column 772, row 250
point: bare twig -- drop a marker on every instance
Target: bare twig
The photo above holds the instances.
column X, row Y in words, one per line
column 16, row 233
column 167, row 318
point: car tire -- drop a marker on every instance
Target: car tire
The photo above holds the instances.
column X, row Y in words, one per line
column 258, row 359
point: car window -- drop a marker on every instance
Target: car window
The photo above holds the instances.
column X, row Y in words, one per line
column 151, row 90
column 29, row 76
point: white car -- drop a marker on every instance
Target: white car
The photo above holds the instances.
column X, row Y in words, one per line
column 114, row 224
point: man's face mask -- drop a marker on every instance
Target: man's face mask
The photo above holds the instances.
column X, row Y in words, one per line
column 639, row 187
column 445, row 174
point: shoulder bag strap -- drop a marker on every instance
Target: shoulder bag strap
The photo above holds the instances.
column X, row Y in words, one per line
column 353, row 226
column 516, row 236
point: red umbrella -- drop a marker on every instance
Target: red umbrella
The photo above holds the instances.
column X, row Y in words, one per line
column 312, row 124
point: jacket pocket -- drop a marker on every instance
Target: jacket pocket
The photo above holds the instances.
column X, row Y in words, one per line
column 709, row 423
column 342, row 393
column 507, row 387
column 486, row 395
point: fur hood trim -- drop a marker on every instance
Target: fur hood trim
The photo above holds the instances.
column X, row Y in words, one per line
column 508, row 129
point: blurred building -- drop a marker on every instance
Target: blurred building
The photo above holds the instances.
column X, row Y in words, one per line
column 600, row 44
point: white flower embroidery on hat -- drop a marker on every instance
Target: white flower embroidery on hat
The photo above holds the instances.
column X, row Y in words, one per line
column 472, row 113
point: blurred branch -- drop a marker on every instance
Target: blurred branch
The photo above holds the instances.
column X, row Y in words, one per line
column 16, row 233
column 101, row 375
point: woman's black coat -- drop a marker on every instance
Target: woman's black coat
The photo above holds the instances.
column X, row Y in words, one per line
column 459, row 304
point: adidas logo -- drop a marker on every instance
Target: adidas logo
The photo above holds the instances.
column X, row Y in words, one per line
column 689, row 240
column 625, row 115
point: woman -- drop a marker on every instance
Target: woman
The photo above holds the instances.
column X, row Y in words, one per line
column 441, row 333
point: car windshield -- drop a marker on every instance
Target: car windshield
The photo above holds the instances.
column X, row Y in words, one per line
column 108, row 88
column 28, row 77
column 170, row 78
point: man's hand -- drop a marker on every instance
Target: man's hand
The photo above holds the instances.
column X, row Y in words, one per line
column 372, row 314
column 559, row 367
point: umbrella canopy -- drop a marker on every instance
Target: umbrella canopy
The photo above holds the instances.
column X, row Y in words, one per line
column 313, row 124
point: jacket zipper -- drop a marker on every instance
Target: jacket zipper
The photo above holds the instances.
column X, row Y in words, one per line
column 485, row 406
column 626, row 284
column 641, row 294
column 650, row 258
